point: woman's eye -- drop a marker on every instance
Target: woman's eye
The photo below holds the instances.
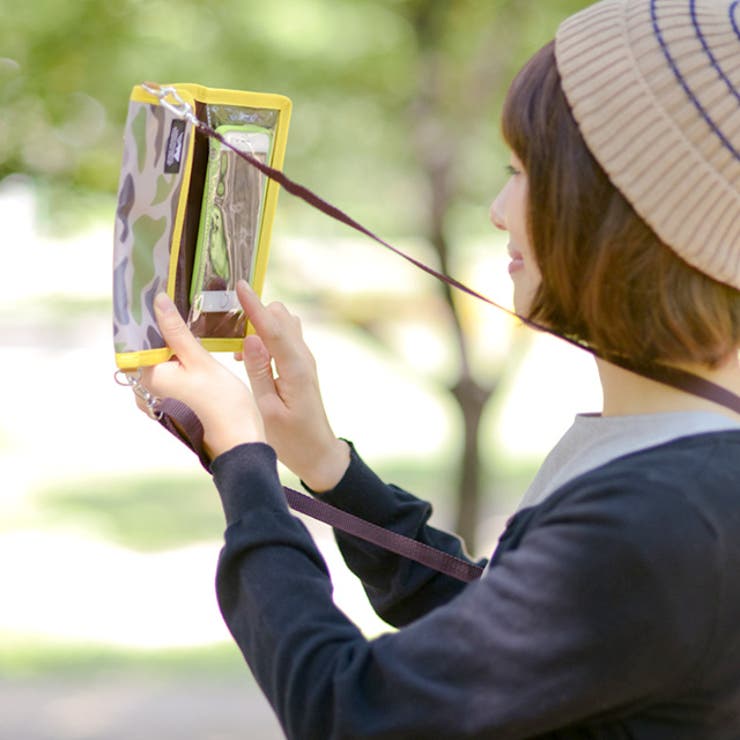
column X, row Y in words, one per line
column 511, row 170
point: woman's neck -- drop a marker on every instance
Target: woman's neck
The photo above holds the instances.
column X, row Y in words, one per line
column 626, row 393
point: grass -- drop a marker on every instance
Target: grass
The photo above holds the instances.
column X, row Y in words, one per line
column 71, row 308
column 156, row 512
column 147, row 513
column 26, row 660
column 503, row 481
column 54, row 312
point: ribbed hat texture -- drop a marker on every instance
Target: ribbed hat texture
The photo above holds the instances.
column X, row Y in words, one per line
column 655, row 88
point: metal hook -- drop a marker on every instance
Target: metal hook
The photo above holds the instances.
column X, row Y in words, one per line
column 133, row 381
column 179, row 108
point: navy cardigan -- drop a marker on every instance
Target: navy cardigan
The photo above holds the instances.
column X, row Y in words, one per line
column 610, row 610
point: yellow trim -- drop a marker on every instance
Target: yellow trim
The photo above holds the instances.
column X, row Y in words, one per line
column 148, row 357
column 140, row 95
column 244, row 98
column 271, row 197
column 215, row 344
column 142, row 358
column 218, row 96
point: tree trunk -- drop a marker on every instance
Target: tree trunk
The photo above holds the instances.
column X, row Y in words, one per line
column 437, row 153
column 472, row 399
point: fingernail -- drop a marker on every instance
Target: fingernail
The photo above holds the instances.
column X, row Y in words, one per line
column 164, row 303
column 245, row 285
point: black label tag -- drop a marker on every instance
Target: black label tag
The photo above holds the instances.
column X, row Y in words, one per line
column 175, row 141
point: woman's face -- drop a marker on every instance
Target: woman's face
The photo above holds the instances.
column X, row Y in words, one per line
column 509, row 213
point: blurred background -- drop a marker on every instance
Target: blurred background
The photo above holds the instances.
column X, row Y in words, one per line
column 109, row 529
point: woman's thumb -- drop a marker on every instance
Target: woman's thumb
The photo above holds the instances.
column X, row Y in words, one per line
column 175, row 332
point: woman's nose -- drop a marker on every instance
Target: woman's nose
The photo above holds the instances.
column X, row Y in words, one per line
column 496, row 213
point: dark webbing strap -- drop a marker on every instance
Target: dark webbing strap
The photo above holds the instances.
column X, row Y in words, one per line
column 181, row 421
column 385, row 538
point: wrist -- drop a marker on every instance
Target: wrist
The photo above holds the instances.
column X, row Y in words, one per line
column 223, row 435
column 329, row 468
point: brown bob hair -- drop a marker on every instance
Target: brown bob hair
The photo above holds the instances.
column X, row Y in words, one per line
column 607, row 279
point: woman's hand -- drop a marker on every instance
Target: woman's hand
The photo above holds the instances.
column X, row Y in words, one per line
column 221, row 401
column 290, row 400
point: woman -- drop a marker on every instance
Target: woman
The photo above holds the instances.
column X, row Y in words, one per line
column 611, row 606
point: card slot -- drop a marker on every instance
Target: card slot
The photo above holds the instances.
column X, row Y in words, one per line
column 191, row 222
column 230, row 229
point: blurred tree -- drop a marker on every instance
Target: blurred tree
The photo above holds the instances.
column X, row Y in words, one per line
column 465, row 56
column 395, row 118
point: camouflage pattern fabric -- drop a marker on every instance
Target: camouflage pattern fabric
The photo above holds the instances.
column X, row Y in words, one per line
column 155, row 147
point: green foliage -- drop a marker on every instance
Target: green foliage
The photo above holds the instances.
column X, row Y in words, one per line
column 354, row 69
column 144, row 512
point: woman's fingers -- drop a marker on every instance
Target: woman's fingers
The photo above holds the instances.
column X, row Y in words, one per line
column 191, row 361
column 175, row 332
column 258, row 365
column 278, row 329
column 221, row 401
column 253, row 307
column 290, row 400
column 160, row 380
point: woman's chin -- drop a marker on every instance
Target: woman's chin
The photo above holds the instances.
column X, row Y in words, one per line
column 523, row 299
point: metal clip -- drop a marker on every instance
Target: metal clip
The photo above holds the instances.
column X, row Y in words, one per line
column 133, row 381
column 166, row 94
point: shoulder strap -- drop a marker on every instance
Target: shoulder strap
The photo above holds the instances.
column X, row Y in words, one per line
column 433, row 558
column 184, row 424
column 181, row 421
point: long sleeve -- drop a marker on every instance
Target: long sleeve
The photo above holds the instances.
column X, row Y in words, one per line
column 399, row 589
column 600, row 609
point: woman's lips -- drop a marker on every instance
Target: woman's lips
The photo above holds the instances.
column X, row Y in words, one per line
column 517, row 261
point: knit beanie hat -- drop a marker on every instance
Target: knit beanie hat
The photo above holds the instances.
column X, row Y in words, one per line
column 655, row 88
